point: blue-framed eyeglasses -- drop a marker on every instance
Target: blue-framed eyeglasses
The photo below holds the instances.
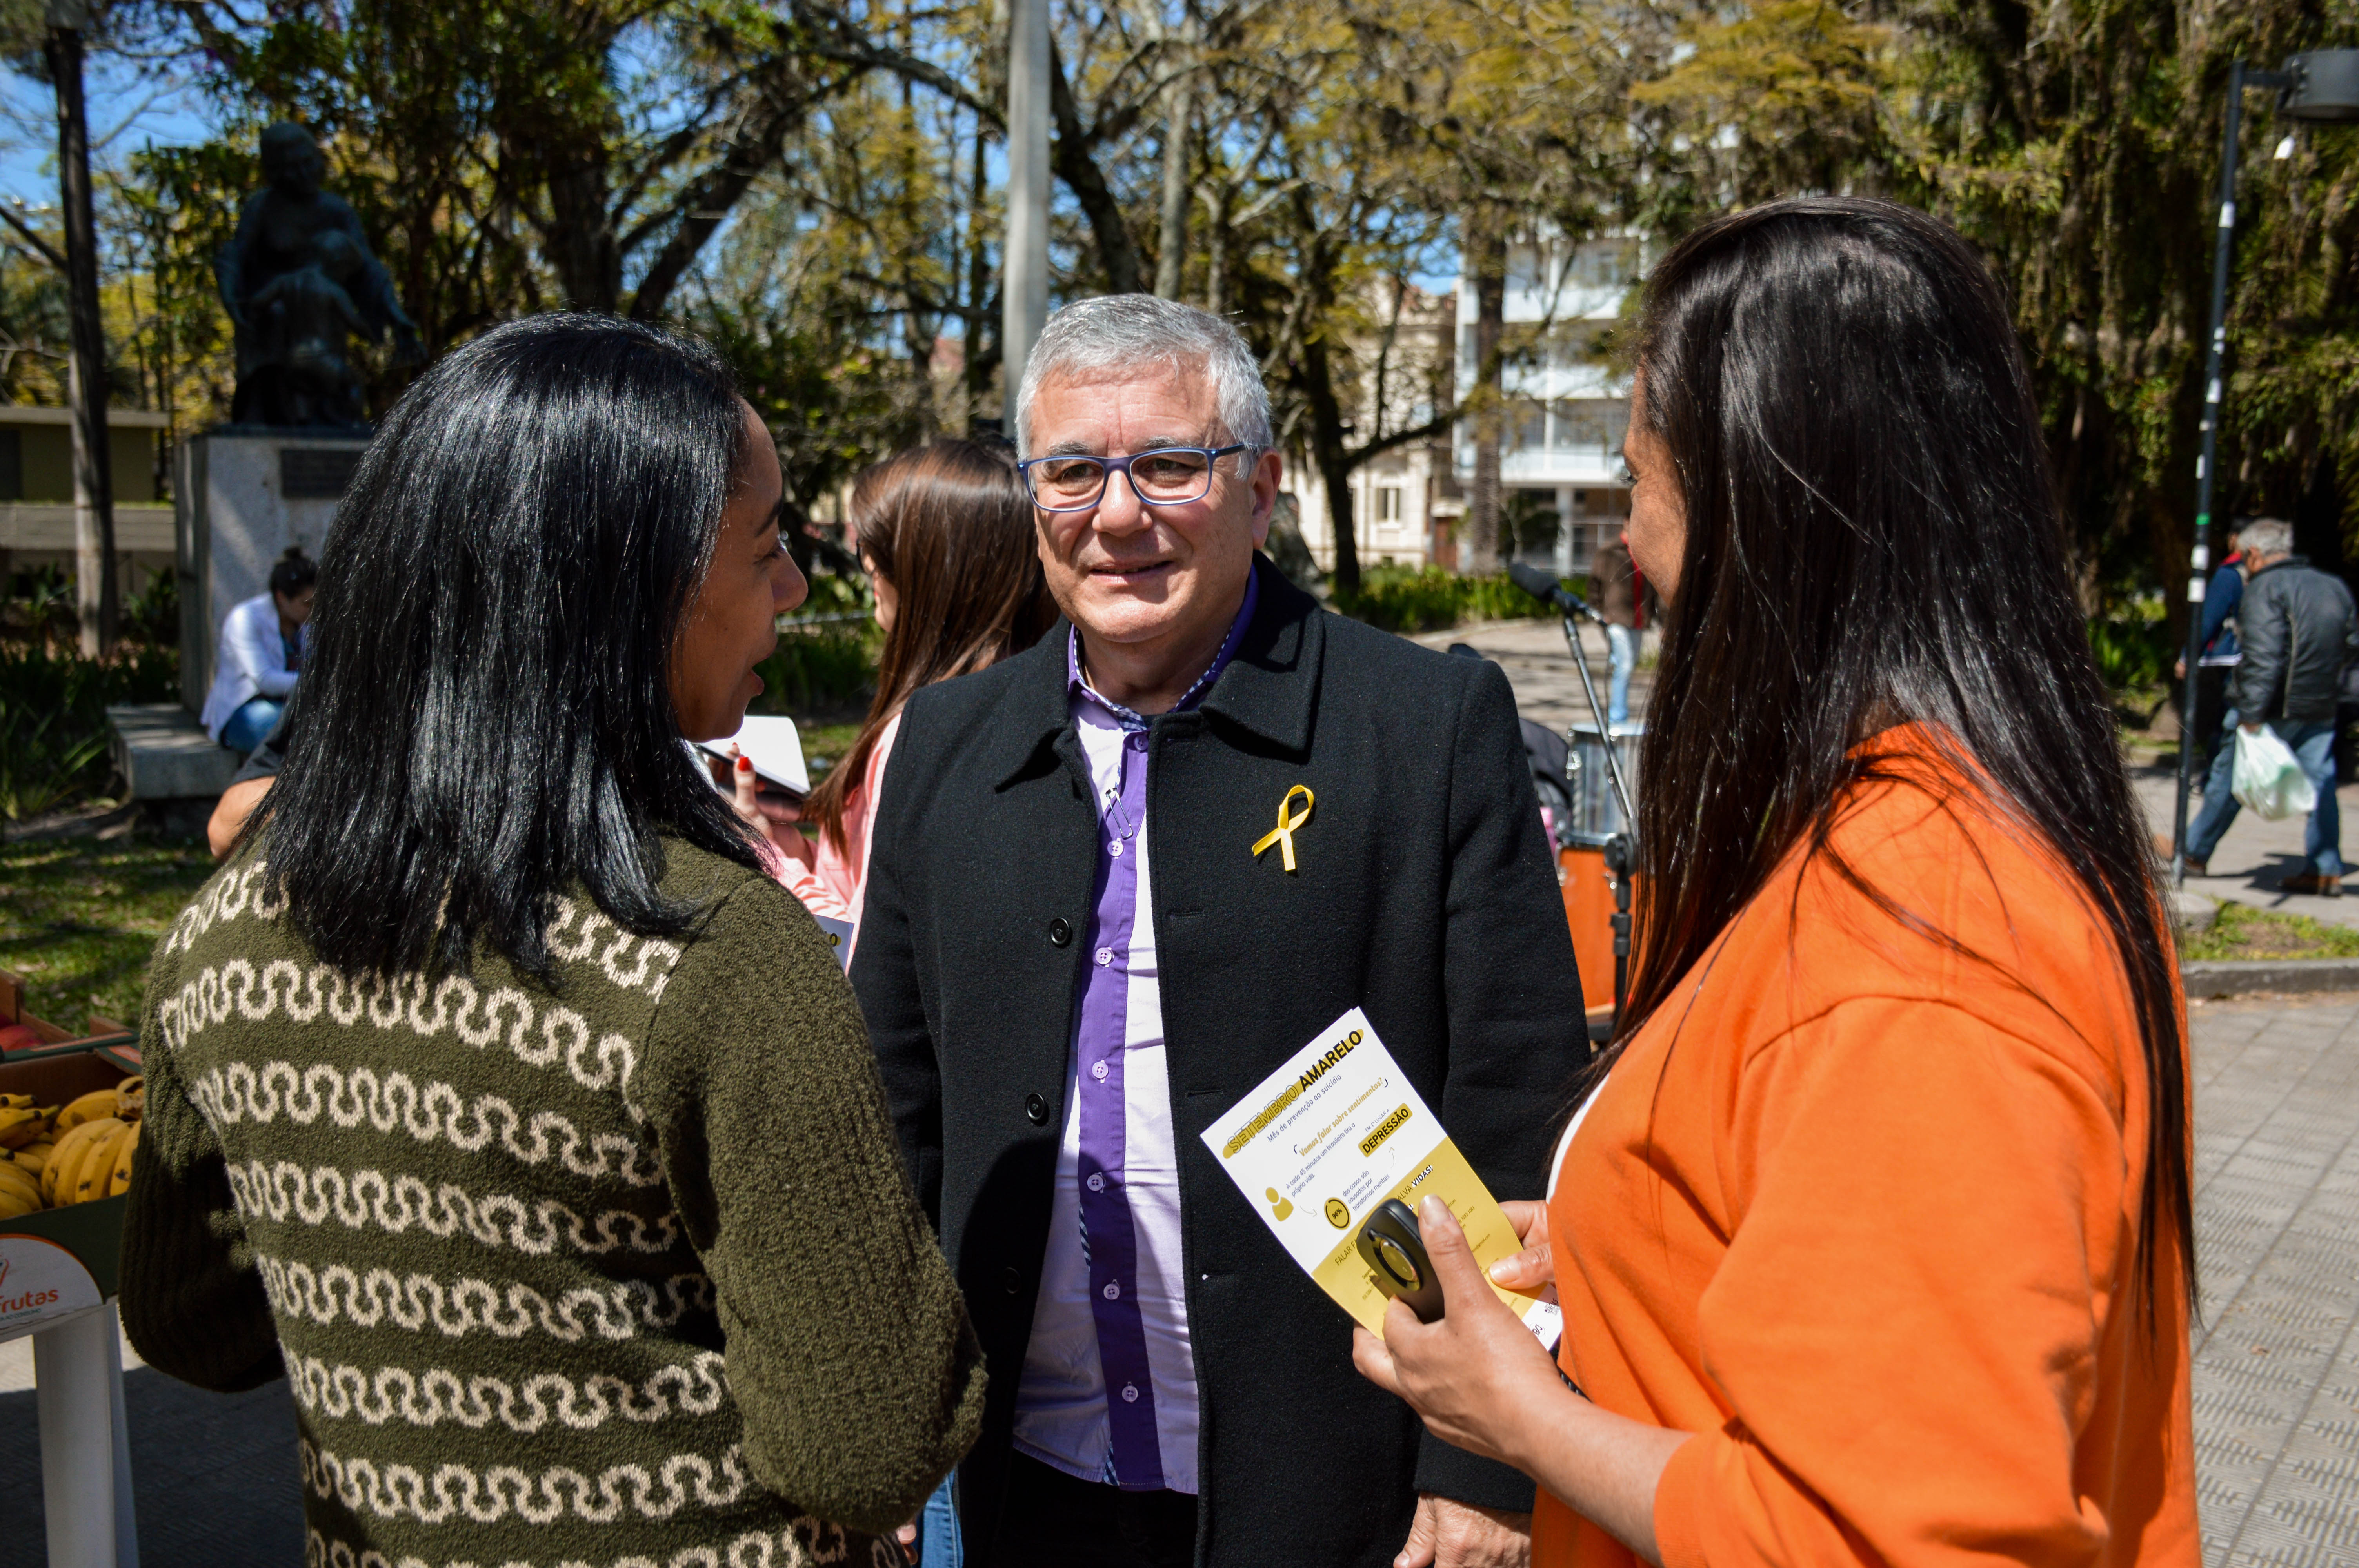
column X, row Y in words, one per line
column 1167, row 476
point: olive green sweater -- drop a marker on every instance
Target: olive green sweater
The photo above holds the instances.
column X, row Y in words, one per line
column 620, row 1267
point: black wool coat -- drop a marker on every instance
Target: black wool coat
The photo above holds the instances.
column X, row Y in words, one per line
column 1424, row 893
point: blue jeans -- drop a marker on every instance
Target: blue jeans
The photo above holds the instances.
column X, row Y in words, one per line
column 1621, row 658
column 938, row 1529
column 2313, row 748
column 251, row 725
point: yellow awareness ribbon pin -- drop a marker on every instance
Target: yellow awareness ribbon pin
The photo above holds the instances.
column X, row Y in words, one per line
column 1283, row 834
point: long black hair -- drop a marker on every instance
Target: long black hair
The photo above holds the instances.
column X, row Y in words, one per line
column 486, row 717
column 1873, row 539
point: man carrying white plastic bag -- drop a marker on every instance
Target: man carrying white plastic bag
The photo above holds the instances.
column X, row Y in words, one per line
column 2269, row 776
column 2298, row 629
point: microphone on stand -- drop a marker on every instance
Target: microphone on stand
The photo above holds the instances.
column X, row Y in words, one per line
column 1541, row 584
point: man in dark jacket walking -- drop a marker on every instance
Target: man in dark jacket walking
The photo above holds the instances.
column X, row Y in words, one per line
column 1120, row 878
column 2215, row 666
column 2298, row 631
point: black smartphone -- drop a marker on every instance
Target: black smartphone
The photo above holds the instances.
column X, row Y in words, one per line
column 1394, row 1250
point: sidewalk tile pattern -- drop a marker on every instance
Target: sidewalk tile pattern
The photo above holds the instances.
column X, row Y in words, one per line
column 2277, row 1218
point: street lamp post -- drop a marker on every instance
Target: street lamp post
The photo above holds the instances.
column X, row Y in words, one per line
column 1024, row 279
column 2321, row 85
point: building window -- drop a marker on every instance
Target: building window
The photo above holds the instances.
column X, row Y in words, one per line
column 1527, row 427
column 1388, row 505
column 1605, row 263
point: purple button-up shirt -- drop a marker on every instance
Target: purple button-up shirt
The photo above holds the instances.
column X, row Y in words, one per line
column 1108, row 1391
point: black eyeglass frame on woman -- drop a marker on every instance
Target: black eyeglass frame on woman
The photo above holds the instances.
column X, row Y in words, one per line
column 1108, row 467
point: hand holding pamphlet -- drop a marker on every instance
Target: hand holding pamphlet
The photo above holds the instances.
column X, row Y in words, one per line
column 771, row 743
column 1337, row 1143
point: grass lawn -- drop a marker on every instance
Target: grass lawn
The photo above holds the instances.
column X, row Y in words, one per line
column 77, row 917
column 2240, row 931
column 825, row 743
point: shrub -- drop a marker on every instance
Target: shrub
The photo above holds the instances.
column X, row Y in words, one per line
column 826, row 659
column 1403, row 598
column 2132, row 643
column 53, row 706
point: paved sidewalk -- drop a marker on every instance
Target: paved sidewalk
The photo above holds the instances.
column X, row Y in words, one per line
column 2254, row 856
column 1541, row 669
column 2277, row 1219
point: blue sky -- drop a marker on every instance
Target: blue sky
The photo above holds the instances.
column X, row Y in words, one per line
column 126, row 110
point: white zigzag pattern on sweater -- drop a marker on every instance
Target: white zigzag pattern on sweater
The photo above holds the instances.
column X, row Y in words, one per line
column 223, row 899
column 575, row 948
column 807, row 1541
column 419, row 1302
column 630, row 962
column 218, row 991
column 303, row 1095
column 344, row 1392
column 396, row 1202
column 454, row 1492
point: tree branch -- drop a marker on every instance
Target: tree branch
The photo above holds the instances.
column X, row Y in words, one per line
column 42, row 248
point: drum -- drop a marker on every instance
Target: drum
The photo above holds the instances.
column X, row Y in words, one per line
column 1588, row 892
column 1595, row 816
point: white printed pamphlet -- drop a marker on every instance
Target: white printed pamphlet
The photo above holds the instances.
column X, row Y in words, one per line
column 1327, row 1139
column 771, row 743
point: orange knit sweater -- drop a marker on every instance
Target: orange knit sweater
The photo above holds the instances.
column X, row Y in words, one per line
column 1861, row 1213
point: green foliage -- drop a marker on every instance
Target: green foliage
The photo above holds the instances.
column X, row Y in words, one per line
column 827, row 666
column 1402, row 599
column 152, row 616
column 2133, row 643
column 833, row 594
column 1528, row 523
column 53, row 718
column 41, row 606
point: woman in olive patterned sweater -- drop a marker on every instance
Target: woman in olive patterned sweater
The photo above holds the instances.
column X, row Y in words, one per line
column 497, row 1099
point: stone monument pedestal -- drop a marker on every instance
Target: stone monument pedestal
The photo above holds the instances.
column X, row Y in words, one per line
column 242, row 494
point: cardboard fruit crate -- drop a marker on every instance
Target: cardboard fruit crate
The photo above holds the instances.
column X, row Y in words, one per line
column 25, row 1035
column 58, row 1262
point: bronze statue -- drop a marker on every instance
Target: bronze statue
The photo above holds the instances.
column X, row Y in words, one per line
column 299, row 280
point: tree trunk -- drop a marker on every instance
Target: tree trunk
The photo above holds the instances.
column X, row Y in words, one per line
column 94, row 588
column 1487, row 250
column 1333, row 464
column 580, row 241
column 979, row 359
column 1171, row 240
column 1216, row 261
column 1075, row 163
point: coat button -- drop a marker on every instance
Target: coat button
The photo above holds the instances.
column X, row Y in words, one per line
column 1011, row 1282
column 1061, row 932
column 1037, row 1108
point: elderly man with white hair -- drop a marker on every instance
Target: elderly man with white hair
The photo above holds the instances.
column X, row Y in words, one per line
column 2299, row 633
column 1081, row 947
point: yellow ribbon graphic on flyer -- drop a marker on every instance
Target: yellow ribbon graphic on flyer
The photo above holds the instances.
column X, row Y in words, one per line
column 1283, row 834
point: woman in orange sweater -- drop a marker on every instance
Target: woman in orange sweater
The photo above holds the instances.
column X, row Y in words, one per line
column 1872, row 1232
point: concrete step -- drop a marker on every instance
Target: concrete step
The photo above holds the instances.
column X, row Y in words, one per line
column 163, row 753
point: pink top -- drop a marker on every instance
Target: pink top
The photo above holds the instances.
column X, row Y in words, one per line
column 833, row 882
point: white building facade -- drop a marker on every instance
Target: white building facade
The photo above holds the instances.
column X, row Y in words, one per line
column 1561, row 447
column 1560, row 440
column 1402, row 494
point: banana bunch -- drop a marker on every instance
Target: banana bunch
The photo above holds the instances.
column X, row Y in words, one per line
column 52, row 1156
